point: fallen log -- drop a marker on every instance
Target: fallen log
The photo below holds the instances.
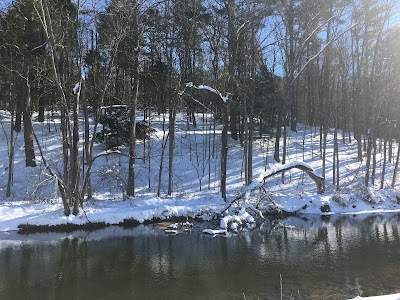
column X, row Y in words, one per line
column 319, row 180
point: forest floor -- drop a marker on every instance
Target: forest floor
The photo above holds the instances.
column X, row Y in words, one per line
column 35, row 200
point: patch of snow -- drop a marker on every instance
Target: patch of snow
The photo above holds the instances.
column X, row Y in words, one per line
column 173, row 226
column 214, row 231
column 76, row 88
column 384, row 297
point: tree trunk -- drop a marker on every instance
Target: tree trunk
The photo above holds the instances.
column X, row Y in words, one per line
column 75, row 174
column 373, row 161
column 384, row 163
column 278, row 136
column 251, row 114
column 11, row 153
column 284, row 146
column 133, row 103
column 171, row 109
column 172, row 116
column 163, row 146
column 245, row 138
column 87, row 150
column 48, row 28
column 336, row 158
column 132, row 149
column 396, row 166
column 18, row 116
column 28, row 140
column 232, row 47
column 41, row 110
column 224, row 151
column 368, row 162
column 65, row 146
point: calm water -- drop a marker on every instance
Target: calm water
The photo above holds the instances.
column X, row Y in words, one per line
column 316, row 259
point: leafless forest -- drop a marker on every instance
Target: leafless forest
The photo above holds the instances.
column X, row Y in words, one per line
column 259, row 67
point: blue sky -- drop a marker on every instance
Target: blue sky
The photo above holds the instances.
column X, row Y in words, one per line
column 4, row 3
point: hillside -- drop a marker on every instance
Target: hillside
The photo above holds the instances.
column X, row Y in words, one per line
column 35, row 199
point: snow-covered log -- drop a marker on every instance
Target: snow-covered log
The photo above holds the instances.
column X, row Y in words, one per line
column 319, row 180
column 214, row 231
column 224, row 99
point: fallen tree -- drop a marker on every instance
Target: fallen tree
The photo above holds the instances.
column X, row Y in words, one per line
column 319, row 181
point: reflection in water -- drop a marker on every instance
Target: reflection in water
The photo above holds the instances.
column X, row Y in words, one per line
column 337, row 258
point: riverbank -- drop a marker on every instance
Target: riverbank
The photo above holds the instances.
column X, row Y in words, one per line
column 45, row 217
column 34, row 199
column 385, row 297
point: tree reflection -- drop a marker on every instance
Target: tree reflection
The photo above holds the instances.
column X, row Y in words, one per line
column 343, row 255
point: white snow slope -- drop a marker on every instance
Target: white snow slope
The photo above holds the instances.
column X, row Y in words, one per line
column 35, row 200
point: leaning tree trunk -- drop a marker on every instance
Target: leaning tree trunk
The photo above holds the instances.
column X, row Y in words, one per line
column 48, row 28
column 163, row 146
column 319, row 181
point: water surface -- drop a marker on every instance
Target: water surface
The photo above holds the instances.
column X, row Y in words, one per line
column 337, row 258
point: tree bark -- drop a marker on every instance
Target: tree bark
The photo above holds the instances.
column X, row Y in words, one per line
column 396, row 166
column 11, row 147
column 278, row 135
column 75, row 174
column 224, row 151
column 133, row 104
column 384, row 163
column 27, row 118
column 87, row 150
column 48, row 28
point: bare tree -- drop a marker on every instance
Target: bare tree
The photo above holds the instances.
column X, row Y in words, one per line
column 136, row 31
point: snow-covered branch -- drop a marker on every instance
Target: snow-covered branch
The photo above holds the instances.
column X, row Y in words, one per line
column 319, row 180
column 224, row 99
column 320, row 51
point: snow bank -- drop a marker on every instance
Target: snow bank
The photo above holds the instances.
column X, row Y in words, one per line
column 385, row 297
column 34, row 196
column 214, row 231
column 13, row 214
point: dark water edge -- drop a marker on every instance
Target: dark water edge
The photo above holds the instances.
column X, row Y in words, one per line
column 336, row 258
column 27, row 228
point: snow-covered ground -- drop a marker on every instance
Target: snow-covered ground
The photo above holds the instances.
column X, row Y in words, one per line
column 35, row 200
column 384, row 297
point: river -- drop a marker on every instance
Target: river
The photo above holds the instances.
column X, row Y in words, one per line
column 336, row 257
